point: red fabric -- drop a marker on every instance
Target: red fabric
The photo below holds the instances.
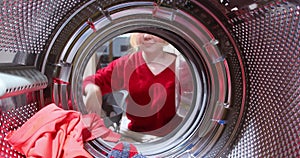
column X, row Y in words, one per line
column 54, row 132
column 151, row 101
column 94, row 128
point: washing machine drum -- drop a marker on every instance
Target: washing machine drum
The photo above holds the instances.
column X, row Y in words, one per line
column 209, row 70
column 224, row 68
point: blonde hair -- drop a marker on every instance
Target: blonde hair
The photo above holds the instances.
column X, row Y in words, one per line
column 134, row 42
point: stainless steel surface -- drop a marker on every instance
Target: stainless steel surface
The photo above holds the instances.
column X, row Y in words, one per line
column 269, row 38
column 18, row 79
column 244, row 55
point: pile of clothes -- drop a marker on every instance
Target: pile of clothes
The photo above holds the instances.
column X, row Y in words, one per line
column 55, row 132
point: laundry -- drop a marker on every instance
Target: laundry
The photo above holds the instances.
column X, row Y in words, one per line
column 125, row 150
column 54, row 132
column 95, row 128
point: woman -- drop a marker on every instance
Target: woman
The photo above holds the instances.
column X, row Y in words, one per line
column 149, row 77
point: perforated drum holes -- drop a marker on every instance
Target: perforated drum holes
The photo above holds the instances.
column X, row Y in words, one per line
column 269, row 37
column 265, row 36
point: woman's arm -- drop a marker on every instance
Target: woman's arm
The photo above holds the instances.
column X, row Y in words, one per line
column 101, row 83
column 93, row 98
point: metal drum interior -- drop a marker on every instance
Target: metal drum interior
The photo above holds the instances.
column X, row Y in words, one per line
column 243, row 57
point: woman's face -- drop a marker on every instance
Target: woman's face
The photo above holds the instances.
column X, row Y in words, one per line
column 150, row 43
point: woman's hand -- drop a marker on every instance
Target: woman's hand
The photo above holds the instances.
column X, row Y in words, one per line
column 93, row 99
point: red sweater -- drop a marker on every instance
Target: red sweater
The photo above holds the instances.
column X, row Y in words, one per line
column 151, row 100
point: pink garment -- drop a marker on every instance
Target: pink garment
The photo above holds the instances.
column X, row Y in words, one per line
column 95, row 128
column 54, row 132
